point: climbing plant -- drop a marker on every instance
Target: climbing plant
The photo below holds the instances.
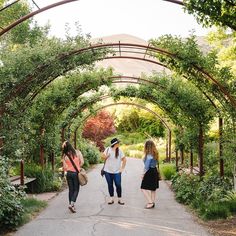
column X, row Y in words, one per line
column 186, row 106
column 191, row 63
column 41, row 122
column 213, row 12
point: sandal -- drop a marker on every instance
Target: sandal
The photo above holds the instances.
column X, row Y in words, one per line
column 72, row 209
column 111, row 202
column 121, row 203
column 150, row 205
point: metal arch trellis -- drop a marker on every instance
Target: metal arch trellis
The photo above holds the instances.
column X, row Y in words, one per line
column 148, row 48
column 142, row 52
column 127, row 103
column 168, row 147
column 132, row 80
column 150, row 52
column 31, row 14
column 26, row 17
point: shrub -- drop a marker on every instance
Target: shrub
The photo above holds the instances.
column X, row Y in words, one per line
column 230, row 200
column 214, row 188
column 185, row 187
column 90, row 153
column 11, row 210
column 215, row 210
column 128, row 138
column 45, row 181
column 167, row 171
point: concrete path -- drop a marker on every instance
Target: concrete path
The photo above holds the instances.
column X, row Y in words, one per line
column 96, row 218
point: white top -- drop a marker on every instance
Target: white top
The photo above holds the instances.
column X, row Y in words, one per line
column 113, row 164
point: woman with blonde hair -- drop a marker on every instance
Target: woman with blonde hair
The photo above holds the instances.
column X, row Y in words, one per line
column 150, row 181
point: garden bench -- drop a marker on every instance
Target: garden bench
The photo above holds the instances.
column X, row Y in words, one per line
column 17, row 181
column 20, row 180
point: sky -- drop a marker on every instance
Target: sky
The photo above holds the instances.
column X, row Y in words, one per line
column 145, row 19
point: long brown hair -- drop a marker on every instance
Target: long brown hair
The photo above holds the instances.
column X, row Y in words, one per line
column 150, row 148
column 68, row 150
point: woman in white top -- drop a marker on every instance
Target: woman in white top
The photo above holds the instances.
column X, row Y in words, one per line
column 115, row 162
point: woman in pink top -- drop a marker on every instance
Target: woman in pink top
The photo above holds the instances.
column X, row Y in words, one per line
column 71, row 173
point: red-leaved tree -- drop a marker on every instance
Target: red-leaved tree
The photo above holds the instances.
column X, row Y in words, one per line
column 98, row 128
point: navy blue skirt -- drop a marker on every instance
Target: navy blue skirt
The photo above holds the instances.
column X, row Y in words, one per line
column 150, row 180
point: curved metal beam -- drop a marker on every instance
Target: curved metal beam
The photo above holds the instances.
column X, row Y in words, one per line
column 144, row 48
column 156, row 50
column 10, row 4
column 130, row 104
column 17, row 22
column 168, row 147
column 108, row 96
column 175, row 1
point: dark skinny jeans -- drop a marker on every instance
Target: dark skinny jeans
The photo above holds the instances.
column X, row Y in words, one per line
column 110, row 178
column 73, row 184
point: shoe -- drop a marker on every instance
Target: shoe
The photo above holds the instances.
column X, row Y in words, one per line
column 72, row 209
column 121, row 203
column 150, row 205
column 111, row 202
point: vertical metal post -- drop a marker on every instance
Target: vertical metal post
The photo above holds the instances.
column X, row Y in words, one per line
column 41, row 155
column 75, row 136
column 182, row 155
column 177, row 159
column 62, row 135
column 42, row 148
column 200, row 149
column 53, row 161
column 167, row 146
column 22, row 172
column 169, row 143
column 1, row 126
column 191, row 160
column 221, row 147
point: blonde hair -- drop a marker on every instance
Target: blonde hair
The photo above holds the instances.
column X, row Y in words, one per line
column 150, row 148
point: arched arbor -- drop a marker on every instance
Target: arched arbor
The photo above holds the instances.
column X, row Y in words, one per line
column 29, row 87
column 168, row 146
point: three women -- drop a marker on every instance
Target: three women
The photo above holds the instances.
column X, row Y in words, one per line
column 114, row 165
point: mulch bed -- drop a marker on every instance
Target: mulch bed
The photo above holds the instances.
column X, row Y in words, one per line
column 222, row 227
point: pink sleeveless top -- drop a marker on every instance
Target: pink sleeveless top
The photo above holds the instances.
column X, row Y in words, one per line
column 67, row 165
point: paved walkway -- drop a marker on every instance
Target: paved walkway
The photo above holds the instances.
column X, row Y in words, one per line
column 96, row 218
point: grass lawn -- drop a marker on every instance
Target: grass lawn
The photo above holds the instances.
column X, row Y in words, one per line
column 32, row 207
